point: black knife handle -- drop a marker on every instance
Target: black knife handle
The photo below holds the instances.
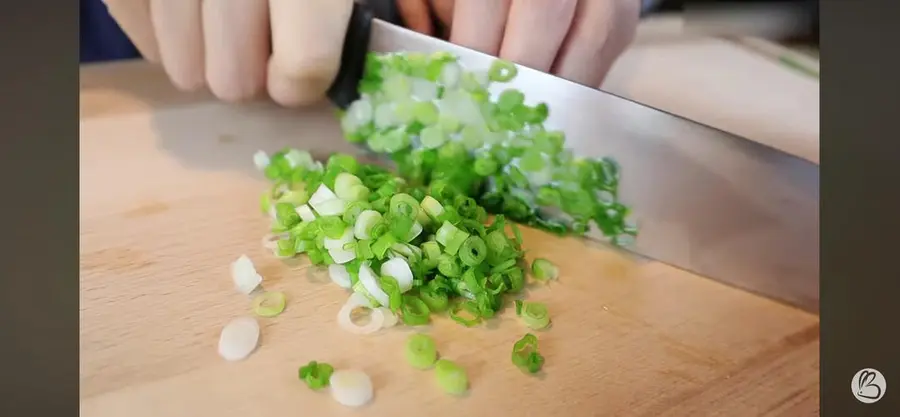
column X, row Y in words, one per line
column 343, row 90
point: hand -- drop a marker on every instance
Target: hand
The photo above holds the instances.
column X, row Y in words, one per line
column 225, row 44
column 575, row 39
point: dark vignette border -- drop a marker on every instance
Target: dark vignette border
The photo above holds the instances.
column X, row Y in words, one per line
column 860, row 208
column 39, row 185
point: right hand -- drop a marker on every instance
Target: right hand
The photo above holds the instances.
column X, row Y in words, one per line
column 225, row 44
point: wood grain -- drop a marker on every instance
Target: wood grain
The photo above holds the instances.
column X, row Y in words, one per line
column 169, row 199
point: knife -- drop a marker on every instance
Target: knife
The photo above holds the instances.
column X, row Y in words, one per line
column 706, row 201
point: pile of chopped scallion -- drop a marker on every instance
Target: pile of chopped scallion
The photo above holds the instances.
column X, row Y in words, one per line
column 413, row 249
column 418, row 240
column 439, row 124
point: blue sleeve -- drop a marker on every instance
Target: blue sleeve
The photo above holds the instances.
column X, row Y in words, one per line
column 101, row 38
column 648, row 6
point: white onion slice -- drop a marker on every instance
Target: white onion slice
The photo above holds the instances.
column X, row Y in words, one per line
column 239, row 338
column 334, row 207
column 322, row 194
column 385, row 115
column 366, row 218
column 358, row 114
column 358, row 300
column 450, row 74
column 343, row 185
column 399, row 269
column 461, row 104
column 305, row 212
column 370, row 281
column 351, row 387
column 339, row 275
column 339, row 243
column 342, row 256
column 244, row 274
column 261, row 160
column 390, row 319
column 414, row 232
column 424, row 90
column 345, row 316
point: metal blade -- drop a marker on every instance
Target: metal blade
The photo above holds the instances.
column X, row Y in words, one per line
column 706, row 201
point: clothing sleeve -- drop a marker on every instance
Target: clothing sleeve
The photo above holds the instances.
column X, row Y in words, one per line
column 648, row 6
column 100, row 36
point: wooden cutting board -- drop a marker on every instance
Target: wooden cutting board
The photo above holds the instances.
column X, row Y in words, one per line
column 169, row 199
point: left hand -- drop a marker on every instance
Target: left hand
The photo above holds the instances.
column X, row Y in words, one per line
column 575, row 39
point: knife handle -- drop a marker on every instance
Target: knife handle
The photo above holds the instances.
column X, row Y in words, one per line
column 343, row 90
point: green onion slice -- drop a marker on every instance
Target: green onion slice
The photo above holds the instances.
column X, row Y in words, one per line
column 534, row 315
column 316, row 374
column 502, row 71
column 437, row 301
column 544, row 269
column 421, row 351
column 465, row 313
column 451, row 377
column 414, row 311
column 269, row 304
column 525, row 354
column 473, row 251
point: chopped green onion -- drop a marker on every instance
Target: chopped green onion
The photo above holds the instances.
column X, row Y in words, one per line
column 353, row 211
column 286, row 215
column 437, row 301
column 269, row 304
column 470, row 309
column 316, row 375
column 473, row 251
column 510, row 99
column 382, row 244
column 421, row 351
column 544, row 269
column 365, row 222
column 432, row 250
column 390, row 286
column 432, row 207
column 414, row 311
column 432, row 137
column 451, row 237
column 485, row 166
column 451, row 377
column 525, row 354
column 332, row 226
column 534, row 315
column 285, row 248
column 502, row 71
column 448, row 266
column 515, row 279
column 404, row 205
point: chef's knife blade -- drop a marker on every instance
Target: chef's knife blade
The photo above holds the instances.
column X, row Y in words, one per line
column 705, row 200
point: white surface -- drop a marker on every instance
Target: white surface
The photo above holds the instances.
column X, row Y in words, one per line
column 726, row 86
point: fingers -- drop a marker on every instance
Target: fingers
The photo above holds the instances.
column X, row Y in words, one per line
column 133, row 16
column 443, row 9
column 179, row 35
column 236, row 47
column 415, row 15
column 478, row 24
column 307, row 41
column 536, row 29
column 599, row 34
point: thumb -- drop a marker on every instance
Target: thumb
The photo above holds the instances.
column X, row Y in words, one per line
column 307, row 41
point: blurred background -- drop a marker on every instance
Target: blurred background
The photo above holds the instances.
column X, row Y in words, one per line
column 749, row 68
